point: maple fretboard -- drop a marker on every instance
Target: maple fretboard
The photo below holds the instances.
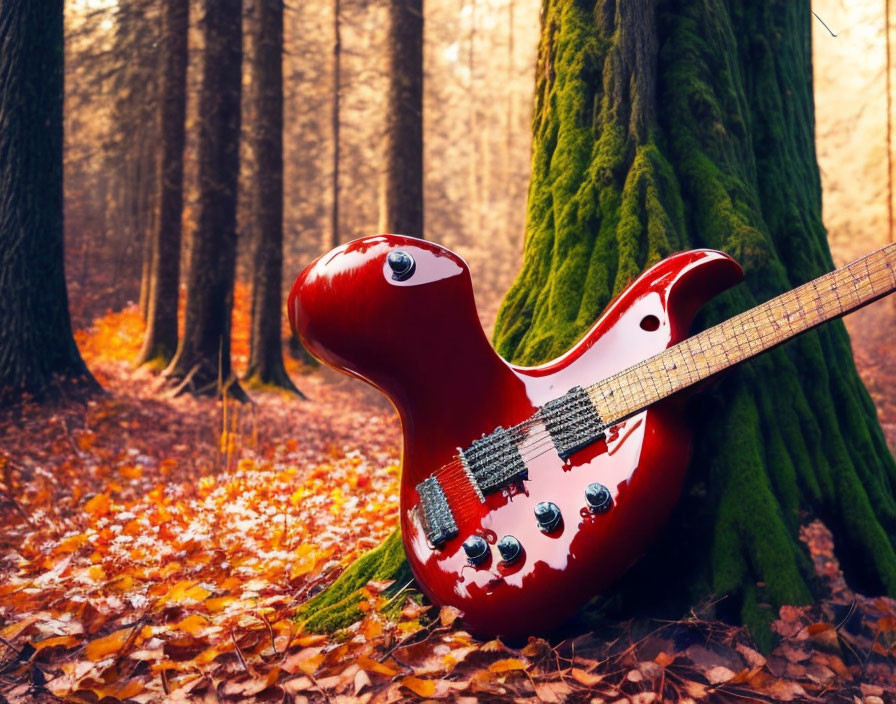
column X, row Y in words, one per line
column 746, row 335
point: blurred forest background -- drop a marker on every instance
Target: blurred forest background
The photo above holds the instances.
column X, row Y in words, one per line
column 479, row 58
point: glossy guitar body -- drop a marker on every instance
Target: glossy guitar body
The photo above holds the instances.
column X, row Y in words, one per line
column 420, row 341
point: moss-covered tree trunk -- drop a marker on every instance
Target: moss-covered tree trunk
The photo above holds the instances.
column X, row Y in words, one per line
column 672, row 125
column 662, row 126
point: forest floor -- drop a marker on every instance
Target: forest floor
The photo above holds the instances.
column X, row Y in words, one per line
column 157, row 549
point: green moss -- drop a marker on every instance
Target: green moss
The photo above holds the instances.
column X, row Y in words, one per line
column 338, row 605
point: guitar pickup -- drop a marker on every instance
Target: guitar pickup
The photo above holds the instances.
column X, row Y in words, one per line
column 572, row 421
column 494, row 461
column 438, row 521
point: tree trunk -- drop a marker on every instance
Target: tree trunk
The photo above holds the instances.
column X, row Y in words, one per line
column 336, row 116
column 160, row 342
column 202, row 361
column 266, row 345
column 132, row 150
column 38, row 355
column 660, row 127
column 401, row 207
column 690, row 124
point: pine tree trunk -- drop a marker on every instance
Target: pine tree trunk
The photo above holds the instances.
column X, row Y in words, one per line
column 690, row 124
column 135, row 131
column 160, row 342
column 401, row 207
column 335, row 118
column 202, row 362
column 38, row 355
column 266, row 345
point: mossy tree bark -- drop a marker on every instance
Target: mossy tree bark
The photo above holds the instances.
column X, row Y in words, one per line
column 38, row 355
column 662, row 126
column 670, row 125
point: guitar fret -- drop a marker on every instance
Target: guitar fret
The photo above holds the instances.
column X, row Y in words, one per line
column 746, row 335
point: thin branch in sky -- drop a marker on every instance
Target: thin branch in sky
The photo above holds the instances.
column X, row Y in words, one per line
column 823, row 23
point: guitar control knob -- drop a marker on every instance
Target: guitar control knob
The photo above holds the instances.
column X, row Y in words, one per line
column 510, row 549
column 548, row 516
column 402, row 265
column 476, row 549
column 598, row 498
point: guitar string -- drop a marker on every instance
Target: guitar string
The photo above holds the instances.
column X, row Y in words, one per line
column 541, row 443
column 821, row 299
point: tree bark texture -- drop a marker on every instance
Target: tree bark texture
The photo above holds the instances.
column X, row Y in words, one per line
column 335, row 117
column 679, row 124
column 160, row 342
column 202, row 361
column 401, row 209
column 134, row 138
column 37, row 350
column 266, row 348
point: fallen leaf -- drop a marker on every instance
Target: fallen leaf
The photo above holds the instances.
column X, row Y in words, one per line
column 507, row 665
column 108, row 645
column 719, row 674
column 420, row 687
column 194, row 624
column 370, row 665
column 586, row 678
column 448, row 615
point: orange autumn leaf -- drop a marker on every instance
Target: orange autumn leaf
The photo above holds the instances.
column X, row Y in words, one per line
column 589, row 679
column 448, row 615
column 71, row 544
column 98, row 506
column 507, row 665
column 218, row 603
column 414, row 610
column 131, row 471
column 120, row 690
column 184, row 591
column 209, row 654
column 370, row 665
column 56, row 641
column 817, row 628
column 194, row 625
column 419, row 686
column 304, row 560
column 311, row 639
column 108, row 645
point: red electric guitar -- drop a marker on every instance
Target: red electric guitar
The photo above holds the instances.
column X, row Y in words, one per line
column 527, row 490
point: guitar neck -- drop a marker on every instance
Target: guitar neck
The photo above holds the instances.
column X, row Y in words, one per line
column 746, row 335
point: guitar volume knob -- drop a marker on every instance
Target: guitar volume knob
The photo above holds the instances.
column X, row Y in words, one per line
column 548, row 516
column 402, row 265
column 510, row 549
column 476, row 549
column 598, row 497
